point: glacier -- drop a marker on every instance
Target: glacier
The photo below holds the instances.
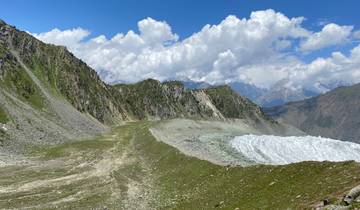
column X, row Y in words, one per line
column 276, row 150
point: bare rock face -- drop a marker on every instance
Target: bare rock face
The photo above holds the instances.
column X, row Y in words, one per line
column 335, row 114
column 59, row 71
column 151, row 99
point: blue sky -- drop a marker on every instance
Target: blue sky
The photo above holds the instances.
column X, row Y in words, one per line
column 304, row 42
column 185, row 16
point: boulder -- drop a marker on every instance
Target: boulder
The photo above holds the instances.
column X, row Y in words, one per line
column 3, row 127
column 352, row 195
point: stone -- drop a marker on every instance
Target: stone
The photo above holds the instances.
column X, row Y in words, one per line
column 3, row 127
column 353, row 194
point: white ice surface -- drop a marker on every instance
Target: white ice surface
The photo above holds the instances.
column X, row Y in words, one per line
column 275, row 150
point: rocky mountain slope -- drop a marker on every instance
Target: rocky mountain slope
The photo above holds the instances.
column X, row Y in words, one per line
column 59, row 72
column 248, row 90
column 278, row 94
column 35, row 103
column 151, row 99
column 48, row 95
column 335, row 114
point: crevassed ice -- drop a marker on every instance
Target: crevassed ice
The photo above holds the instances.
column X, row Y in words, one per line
column 275, row 150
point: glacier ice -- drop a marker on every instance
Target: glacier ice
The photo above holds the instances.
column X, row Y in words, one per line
column 276, row 150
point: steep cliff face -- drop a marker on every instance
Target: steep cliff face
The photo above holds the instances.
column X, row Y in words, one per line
column 232, row 105
column 151, row 99
column 63, row 74
column 335, row 114
column 36, row 107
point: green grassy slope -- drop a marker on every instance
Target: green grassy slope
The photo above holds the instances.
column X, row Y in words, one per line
column 60, row 72
column 14, row 78
column 189, row 183
column 3, row 116
column 138, row 170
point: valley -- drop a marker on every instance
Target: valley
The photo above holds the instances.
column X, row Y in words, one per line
column 129, row 169
column 69, row 140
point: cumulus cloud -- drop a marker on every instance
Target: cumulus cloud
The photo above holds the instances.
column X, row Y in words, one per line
column 253, row 50
column 331, row 34
column 324, row 74
column 69, row 38
column 154, row 32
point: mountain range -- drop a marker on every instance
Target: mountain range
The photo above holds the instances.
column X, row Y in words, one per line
column 68, row 140
column 335, row 114
column 277, row 94
column 47, row 93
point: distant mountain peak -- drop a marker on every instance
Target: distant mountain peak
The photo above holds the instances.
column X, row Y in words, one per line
column 335, row 114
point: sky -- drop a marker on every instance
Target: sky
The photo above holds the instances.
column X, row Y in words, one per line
column 307, row 44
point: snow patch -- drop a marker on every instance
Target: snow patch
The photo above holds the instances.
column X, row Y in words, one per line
column 276, row 150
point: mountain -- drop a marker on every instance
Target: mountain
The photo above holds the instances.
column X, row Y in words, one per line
column 276, row 95
column 49, row 96
column 151, row 99
column 47, row 93
column 52, row 105
column 250, row 91
column 280, row 93
column 335, row 114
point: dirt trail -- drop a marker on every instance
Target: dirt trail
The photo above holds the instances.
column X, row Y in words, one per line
column 107, row 176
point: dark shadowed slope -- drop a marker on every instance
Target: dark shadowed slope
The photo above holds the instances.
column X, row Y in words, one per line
column 335, row 114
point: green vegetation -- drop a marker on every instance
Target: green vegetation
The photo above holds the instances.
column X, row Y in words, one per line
column 3, row 116
column 129, row 167
column 231, row 105
column 63, row 150
column 65, row 75
column 105, row 169
column 45, row 73
column 21, row 82
column 190, row 183
column 150, row 98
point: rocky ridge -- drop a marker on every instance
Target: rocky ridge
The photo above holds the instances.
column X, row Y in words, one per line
column 50, row 96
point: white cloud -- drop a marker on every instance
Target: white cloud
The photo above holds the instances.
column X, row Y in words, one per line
column 155, row 32
column 323, row 74
column 331, row 34
column 70, row 37
column 253, row 50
